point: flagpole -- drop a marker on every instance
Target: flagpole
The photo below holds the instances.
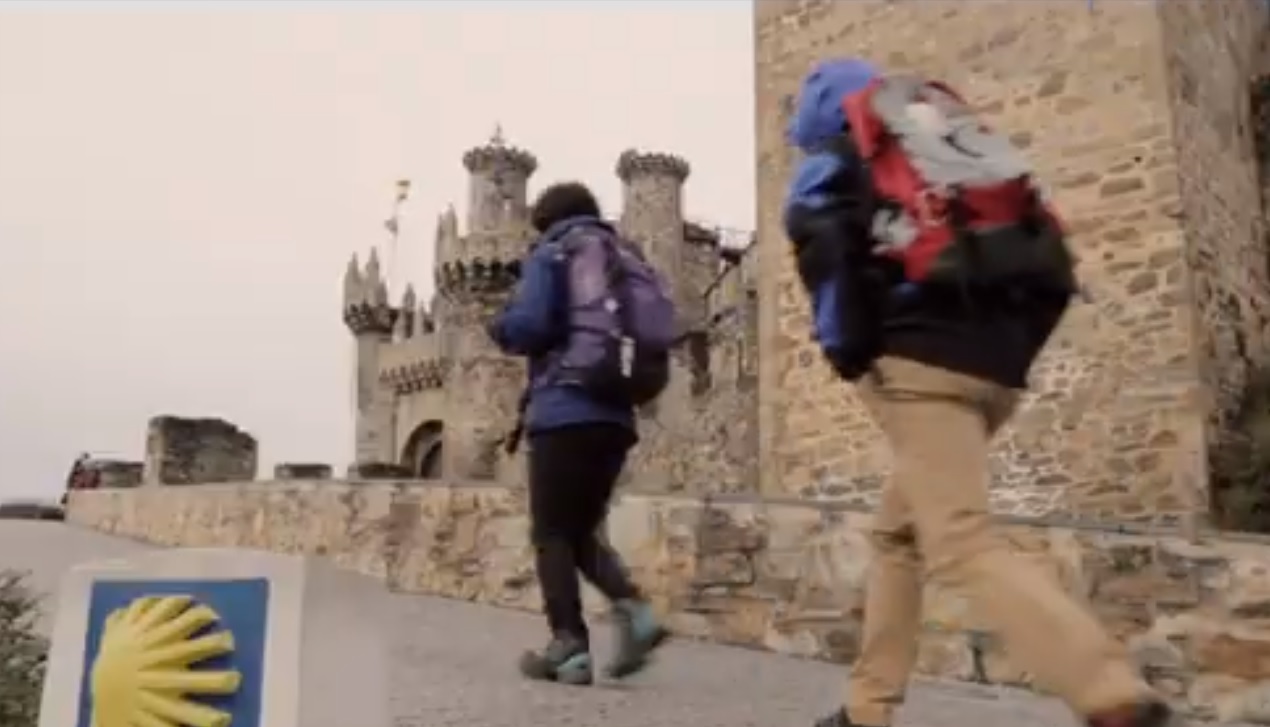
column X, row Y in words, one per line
column 393, row 225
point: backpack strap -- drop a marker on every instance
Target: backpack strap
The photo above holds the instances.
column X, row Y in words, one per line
column 865, row 128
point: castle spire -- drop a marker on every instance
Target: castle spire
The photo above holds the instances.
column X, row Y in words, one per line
column 353, row 282
column 372, row 275
column 497, row 138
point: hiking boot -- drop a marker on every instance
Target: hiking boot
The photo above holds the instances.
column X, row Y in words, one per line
column 1144, row 714
column 638, row 635
column 838, row 718
column 565, row 659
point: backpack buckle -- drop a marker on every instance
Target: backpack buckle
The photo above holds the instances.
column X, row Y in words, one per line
column 932, row 206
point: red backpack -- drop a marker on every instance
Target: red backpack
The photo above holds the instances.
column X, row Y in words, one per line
column 954, row 200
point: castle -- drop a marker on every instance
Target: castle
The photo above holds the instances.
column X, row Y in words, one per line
column 435, row 397
column 1154, row 157
column 748, row 503
column 1149, row 140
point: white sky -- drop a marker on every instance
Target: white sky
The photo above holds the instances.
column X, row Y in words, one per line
column 181, row 187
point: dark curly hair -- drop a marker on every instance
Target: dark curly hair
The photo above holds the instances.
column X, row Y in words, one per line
column 562, row 201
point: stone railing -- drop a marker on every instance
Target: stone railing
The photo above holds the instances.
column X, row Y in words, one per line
column 782, row 575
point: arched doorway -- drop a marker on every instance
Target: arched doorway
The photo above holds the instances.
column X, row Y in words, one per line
column 422, row 454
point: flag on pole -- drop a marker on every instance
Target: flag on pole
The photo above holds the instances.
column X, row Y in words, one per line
column 403, row 193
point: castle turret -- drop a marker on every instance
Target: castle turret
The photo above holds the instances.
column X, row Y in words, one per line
column 653, row 217
column 475, row 273
column 371, row 318
column 499, row 184
column 652, row 214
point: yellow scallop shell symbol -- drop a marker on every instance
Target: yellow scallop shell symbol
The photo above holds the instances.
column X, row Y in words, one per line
column 145, row 672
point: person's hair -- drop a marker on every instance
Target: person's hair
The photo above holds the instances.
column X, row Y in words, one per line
column 560, row 202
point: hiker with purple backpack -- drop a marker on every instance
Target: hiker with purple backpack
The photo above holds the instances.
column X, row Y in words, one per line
column 596, row 324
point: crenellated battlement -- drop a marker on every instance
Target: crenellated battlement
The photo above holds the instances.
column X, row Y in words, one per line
column 497, row 156
column 413, row 318
column 498, row 188
column 415, row 364
column 477, row 262
column 366, row 306
column 633, row 163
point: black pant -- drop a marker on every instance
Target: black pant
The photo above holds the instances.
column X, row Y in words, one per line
column 572, row 472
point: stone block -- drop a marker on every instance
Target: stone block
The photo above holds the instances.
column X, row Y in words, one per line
column 182, row 451
column 217, row 637
column 118, row 473
column 302, row 471
column 379, row 471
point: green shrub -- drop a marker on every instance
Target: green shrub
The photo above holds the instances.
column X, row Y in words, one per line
column 1241, row 462
column 23, row 652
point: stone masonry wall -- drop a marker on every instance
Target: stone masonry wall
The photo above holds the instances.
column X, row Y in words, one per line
column 784, row 576
column 197, row 451
column 1112, row 428
column 704, row 445
column 1215, row 50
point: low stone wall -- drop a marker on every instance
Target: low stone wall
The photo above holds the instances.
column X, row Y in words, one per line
column 118, row 473
column 302, row 471
column 786, row 576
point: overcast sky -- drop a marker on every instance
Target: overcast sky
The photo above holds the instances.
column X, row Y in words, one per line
column 181, row 187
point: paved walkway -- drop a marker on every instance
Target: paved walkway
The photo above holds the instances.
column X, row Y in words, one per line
column 456, row 667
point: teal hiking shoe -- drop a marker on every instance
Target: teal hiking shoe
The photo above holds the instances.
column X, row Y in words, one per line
column 566, row 659
column 638, row 635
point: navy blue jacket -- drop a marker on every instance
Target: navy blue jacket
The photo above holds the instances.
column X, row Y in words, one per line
column 827, row 216
column 534, row 324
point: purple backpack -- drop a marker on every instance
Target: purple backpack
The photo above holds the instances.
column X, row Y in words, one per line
column 622, row 321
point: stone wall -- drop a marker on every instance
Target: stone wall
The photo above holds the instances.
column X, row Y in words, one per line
column 1215, row 53
column 197, row 451
column 1114, row 427
column 780, row 575
column 698, row 441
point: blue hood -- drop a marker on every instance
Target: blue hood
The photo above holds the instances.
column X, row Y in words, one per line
column 819, row 113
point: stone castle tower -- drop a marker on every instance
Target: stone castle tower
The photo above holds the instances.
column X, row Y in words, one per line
column 435, row 398
column 1146, row 122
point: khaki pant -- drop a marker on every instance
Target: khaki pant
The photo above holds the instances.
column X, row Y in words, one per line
column 933, row 517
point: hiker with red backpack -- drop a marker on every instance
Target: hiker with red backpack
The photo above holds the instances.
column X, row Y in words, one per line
column 936, row 271
column 596, row 324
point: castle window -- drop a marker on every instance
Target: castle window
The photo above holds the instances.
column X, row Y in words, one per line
column 699, row 362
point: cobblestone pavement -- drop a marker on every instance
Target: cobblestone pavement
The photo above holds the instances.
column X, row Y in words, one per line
column 456, row 667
